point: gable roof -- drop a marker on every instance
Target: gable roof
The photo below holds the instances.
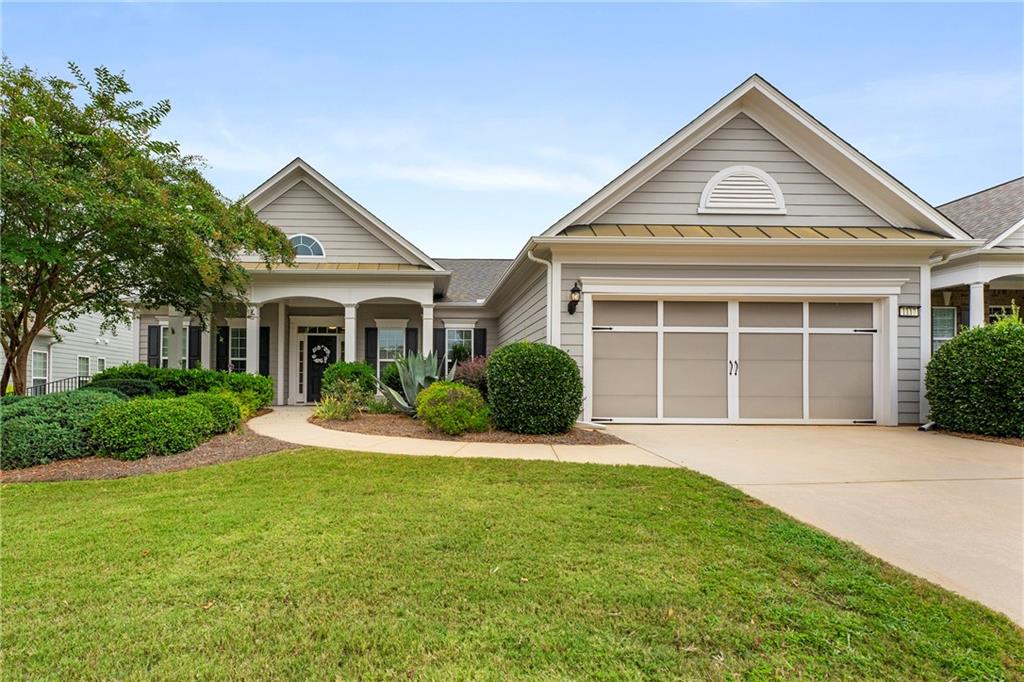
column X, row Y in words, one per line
column 784, row 119
column 991, row 214
column 298, row 171
column 473, row 279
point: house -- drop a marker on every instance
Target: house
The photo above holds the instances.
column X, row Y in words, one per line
column 975, row 286
column 86, row 350
column 753, row 268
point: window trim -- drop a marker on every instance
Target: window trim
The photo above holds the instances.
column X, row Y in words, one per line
column 323, row 251
column 32, row 367
column 232, row 331
column 98, row 368
column 939, row 340
column 447, row 341
column 164, row 329
column 392, row 328
column 88, row 365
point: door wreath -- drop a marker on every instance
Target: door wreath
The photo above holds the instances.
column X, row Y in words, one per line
column 320, row 354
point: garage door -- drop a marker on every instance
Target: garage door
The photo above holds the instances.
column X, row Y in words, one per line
column 733, row 361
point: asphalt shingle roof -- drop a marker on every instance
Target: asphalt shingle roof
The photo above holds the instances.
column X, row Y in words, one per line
column 990, row 212
column 472, row 278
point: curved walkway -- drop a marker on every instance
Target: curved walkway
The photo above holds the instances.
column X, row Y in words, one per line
column 290, row 424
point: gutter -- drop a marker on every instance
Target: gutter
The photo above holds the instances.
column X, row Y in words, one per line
column 547, row 317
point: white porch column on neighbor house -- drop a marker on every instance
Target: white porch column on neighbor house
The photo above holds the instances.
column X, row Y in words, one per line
column 427, row 342
column 350, row 332
column 205, row 341
column 252, row 341
column 977, row 308
column 282, row 326
column 175, row 339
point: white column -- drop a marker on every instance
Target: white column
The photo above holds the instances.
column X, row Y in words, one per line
column 136, row 338
column 427, row 342
column 252, row 341
column 282, row 326
column 210, row 343
column 175, row 339
column 977, row 304
column 350, row 332
column 204, row 342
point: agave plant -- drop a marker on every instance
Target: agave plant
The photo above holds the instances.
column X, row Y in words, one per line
column 416, row 372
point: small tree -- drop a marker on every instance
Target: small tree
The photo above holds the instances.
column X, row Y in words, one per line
column 98, row 216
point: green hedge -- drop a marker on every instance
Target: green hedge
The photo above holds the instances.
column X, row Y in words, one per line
column 226, row 411
column 975, row 381
column 133, row 388
column 49, row 428
column 187, row 381
column 533, row 388
column 389, row 377
column 452, row 408
column 139, row 428
column 358, row 372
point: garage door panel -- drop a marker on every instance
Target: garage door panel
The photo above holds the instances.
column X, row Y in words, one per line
column 696, row 375
column 696, row 313
column 626, row 313
column 841, row 376
column 840, row 315
column 771, row 376
column 625, row 374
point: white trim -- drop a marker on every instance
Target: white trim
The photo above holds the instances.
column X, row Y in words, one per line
column 747, row 288
column 555, row 303
column 98, row 361
column 391, row 323
column 998, row 240
column 279, row 396
column 323, row 251
column 459, row 324
column 294, row 322
column 88, row 365
column 32, row 366
column 780, row 203
column 925, row 330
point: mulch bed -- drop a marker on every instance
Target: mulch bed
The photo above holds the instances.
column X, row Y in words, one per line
column 1006, row 440
column 223, row 448
column 406, row 427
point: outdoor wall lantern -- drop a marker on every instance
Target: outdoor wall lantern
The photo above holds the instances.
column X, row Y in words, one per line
column 910, row 311
column 574, row 297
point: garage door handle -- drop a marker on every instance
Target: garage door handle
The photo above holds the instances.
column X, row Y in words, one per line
column 734, row 368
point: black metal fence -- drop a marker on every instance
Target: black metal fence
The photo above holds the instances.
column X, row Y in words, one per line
column 58, row 386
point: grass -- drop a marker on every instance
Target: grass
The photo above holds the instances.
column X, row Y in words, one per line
column 318, row 564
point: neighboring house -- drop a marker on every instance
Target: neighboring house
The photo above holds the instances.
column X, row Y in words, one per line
column 753, row 268
column 976, row 286
column 57, row 365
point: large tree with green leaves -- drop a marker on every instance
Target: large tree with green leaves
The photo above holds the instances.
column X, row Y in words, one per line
column 98, row 216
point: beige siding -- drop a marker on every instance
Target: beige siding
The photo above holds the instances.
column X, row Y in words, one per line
column 909, row 334
column 524, row 318
column 672, row 196
column 304, row 210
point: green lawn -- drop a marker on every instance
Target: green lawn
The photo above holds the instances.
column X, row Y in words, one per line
column 321, row 564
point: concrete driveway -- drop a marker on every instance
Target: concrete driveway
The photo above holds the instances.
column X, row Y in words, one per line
column 948, row 509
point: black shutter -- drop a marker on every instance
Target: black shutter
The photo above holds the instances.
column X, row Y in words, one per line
column 370, row 352
column 222, row 349
column 412, row 340
column 265, row 351
column 479, row 342
column 195, row 346
column 153, row 346
column 439, row 345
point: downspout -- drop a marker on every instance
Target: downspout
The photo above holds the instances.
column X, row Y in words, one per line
column 548, row 313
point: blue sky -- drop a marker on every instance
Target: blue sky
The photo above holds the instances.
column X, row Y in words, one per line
column 469, row 128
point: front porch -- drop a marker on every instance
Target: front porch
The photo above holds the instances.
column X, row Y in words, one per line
column 973, row 292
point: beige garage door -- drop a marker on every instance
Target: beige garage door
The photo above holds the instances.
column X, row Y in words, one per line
column 733, row 361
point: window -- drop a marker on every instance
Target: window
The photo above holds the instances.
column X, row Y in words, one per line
column 742, row 189
column 458, row 337
column 236, row 349
column 390, row 346
column 39, row 367
column 997, row 312
column 165, row 340
column 306, row 245
column 943, row 325
column 83, row 366
column 101, row 364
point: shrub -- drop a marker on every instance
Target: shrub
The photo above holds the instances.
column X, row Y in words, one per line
column 460, row 352
column 133, row 388
column 11, row 398
column 533, row 388
column 452, row 408
column 342, row 372
column 377, row 405
column 105, row 389
column 390, row 378
column 226, row 411
column 261, row 387
column 138, row 428
column 338, row 407
column 186, row 381
column 244, row 403
column 415, row 373
column 473, row 373
column 50, row 427
column 975, row 381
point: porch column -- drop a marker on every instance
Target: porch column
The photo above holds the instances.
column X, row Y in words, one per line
column 427, row 333
column 209, row 357
column 282, row 327
column 175, row 339
column 977, row 308
column 350, row 332
column 252, row 340
column 205, row 337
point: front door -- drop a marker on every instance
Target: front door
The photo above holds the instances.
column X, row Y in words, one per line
column 320, row 352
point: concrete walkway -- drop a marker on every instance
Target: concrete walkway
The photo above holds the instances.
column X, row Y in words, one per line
column 948, row 509
column 290, row 424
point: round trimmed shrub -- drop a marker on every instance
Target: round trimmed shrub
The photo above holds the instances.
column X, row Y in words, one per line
column 260, row 387
column 452, row 408
column 133, row 388
column 533, row 388
column 975, row 381
column 29, row 441
column 359, row 373
column 139, row 428
column 226, row 412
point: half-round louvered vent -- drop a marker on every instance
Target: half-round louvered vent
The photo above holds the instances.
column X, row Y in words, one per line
column 742, row 189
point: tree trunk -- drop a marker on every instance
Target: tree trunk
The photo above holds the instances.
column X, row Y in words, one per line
column 16, row 362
